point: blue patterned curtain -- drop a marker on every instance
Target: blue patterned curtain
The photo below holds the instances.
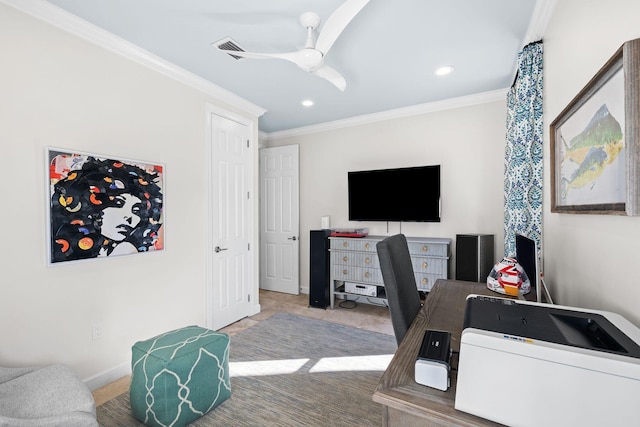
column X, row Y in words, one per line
column 523, row 152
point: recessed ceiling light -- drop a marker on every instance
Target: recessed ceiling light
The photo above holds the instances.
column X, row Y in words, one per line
column 307, row 103
column 445, row 70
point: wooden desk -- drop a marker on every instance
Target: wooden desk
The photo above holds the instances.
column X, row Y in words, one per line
column 407, row 403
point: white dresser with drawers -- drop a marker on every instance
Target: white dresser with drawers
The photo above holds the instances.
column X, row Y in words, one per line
column 355, row 270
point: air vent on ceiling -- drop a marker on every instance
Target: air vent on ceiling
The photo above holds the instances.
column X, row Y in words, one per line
column 229, row 44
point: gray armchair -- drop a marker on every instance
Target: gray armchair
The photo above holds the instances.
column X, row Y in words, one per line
column 399, row 283
column 50, row 396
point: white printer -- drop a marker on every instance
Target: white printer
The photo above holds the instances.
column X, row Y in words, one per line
column 530, row 364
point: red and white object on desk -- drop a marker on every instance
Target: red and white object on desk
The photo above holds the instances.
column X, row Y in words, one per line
column 509, row 278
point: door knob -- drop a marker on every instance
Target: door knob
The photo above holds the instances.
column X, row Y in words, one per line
column 294, row 238
column 219, row 249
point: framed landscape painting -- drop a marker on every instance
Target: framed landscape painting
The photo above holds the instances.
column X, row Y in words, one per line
column 594, row 142
column 102, row 207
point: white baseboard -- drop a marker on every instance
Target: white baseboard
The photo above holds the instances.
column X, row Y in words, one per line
column 106, row 377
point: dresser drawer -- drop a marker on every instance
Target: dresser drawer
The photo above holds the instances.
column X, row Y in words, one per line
column 429, row 265
column 425, row 282
column 426, row 248
column 357, row 274
column 355, row 259
column 357, row 244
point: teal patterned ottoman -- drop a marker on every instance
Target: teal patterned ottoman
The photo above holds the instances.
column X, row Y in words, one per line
column 179, row 376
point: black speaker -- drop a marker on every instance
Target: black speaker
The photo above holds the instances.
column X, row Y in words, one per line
column 474, row 257
column 319, row 268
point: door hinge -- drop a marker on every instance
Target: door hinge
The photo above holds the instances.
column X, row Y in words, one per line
column 248, row 195
column 247, row 143
column 248, row 297
column 248, row 246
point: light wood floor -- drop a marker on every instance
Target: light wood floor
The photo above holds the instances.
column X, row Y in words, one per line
column 364, row 316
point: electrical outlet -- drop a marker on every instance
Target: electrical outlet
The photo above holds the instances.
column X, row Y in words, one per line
column 97, row 331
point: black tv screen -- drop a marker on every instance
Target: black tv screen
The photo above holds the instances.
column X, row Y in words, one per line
column 404, row 194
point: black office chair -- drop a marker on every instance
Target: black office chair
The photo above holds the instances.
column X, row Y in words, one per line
column 399, row 283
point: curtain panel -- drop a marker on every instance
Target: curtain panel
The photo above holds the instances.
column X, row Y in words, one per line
column 523, row 153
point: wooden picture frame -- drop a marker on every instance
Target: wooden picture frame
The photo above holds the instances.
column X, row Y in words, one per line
column 595, row 142
column 102, row 207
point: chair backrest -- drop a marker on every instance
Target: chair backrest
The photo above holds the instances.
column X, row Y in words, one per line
column 399, row 283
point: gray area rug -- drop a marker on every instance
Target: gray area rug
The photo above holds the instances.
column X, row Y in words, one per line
column 291, row 370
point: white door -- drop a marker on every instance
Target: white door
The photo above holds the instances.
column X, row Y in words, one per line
column 230, row 216
column 279, row 219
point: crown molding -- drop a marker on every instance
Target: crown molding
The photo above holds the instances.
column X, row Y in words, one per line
column 414, row 110
column 70, row 23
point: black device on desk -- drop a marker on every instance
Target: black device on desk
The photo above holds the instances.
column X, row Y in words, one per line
column 433, row 362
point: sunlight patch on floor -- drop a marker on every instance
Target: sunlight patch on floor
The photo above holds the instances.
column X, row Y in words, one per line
column 266, row 367
column 258, row 368
column 352, row 363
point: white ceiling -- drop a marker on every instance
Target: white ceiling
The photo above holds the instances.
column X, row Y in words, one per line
column 387, row 54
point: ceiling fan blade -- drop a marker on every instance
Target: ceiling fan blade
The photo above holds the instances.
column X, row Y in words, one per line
column 331, row 75
column 307, row 59
column 288, row 56
column 337, row 22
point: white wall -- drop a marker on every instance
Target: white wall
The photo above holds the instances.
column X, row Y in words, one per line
column 58, row 90
column 467, row 142
column 589, row 259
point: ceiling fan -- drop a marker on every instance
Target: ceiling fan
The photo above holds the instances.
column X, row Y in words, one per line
column 311, row 57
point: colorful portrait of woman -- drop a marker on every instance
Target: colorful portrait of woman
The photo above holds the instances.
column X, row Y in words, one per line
column 103, row 207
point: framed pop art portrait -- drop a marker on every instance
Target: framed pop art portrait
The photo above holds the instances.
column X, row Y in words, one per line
column 102, row 207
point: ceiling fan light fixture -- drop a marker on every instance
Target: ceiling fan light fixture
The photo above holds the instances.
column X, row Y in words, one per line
column 444, row 70
column 308, row 59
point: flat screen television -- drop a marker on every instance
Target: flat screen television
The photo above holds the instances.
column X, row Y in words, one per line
column 403, row 194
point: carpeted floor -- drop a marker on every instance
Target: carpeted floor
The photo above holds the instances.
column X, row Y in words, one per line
column 291, row 370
